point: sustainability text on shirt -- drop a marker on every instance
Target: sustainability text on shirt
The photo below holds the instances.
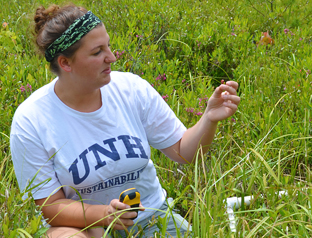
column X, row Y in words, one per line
column 113, row 154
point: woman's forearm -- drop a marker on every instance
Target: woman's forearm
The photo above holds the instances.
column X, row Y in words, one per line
column 61, row 211
column 200, row 135
column 221, row 105
column 71, row 213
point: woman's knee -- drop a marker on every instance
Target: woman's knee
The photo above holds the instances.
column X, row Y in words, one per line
column 65, row 232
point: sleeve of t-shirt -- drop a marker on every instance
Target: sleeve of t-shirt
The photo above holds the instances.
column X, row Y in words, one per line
column 162, row 127
column 33, row 168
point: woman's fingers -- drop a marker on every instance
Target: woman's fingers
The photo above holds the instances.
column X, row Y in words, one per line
column 121, row 214
column 231, row 98
column 126, row 213
column 122, row 219
column 141, row 208
column 229, row 89
column 115, row 203
column 232, row 84
column 230, row 105
column 121, row 224
column 224, row 89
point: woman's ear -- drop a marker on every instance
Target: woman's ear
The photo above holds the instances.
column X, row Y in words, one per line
column 64, row 63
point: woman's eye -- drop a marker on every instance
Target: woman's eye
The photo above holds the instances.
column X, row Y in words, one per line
column 97, row 53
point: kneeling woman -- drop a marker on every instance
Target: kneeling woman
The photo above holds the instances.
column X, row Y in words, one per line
column 85, row 137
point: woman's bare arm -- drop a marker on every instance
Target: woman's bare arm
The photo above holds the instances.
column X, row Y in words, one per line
column 66, row 212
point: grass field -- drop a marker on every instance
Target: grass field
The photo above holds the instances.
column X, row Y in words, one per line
column 184, row 49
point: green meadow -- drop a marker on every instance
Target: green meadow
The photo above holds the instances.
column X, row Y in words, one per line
column 184, row 49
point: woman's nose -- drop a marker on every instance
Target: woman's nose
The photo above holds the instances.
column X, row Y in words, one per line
column 110, row 58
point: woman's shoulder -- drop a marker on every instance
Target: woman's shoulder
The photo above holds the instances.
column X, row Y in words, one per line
column 128, row 80
column 35, row 103
column 125, row 76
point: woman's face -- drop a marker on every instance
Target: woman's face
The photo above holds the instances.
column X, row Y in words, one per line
column 91, row 64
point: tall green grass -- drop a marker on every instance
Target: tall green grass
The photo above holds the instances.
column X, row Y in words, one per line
column 264, row 148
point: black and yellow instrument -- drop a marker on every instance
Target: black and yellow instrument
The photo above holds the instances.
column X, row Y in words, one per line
column 131, row 197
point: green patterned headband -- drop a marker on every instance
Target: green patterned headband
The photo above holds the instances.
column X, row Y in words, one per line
column 74, row 33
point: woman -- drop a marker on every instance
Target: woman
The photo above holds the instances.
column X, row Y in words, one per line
column 81, row 140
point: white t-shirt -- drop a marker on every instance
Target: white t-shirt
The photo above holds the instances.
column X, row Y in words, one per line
column 97, row 154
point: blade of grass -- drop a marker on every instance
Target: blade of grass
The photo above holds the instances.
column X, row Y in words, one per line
column 271, row 172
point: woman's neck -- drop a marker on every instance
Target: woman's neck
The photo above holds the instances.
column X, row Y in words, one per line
column 78, row 98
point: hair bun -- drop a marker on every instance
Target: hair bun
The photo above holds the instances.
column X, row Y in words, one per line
column 44, row 15
column 49, row 25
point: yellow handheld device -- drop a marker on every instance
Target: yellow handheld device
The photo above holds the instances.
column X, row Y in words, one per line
column 131, row 197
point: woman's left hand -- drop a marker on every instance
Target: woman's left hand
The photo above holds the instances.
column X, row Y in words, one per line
column 223, row 103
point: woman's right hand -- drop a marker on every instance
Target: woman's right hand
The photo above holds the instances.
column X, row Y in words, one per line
column 63, row 212
column 117, row 217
